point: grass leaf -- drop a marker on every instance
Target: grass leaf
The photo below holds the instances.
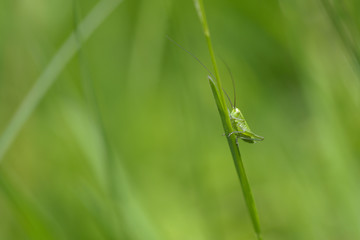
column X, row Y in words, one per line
column 91, row 22
column 220, row 103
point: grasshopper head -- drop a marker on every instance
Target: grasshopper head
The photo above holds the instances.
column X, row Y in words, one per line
column 235, row 113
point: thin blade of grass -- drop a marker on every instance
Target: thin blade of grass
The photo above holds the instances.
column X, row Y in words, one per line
column 91, row 99
column 29, row 216
column 90, row 23
column 240, row 170
column 343, row 35
column 220, row 103
column 125, row 204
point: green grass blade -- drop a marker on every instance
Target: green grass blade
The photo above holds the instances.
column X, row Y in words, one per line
column 343, row 35
column 250, row 203
column 126, row 206
column 91, row 22
column 201, row 12
column 30, row 216
column 220, row 102
column 91, row 98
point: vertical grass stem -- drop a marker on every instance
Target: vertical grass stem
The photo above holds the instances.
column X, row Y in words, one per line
column 221, row 105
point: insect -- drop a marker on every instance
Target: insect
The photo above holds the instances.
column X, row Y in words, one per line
column 242, row 129
column 238, row 122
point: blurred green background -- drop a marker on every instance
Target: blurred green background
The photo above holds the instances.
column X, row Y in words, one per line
column 141, row 156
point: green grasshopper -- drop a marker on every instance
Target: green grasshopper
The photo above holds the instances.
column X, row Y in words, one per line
column 238, row 122
column 242, row 129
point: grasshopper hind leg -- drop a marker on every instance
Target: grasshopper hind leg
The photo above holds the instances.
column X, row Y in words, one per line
column 235, row 132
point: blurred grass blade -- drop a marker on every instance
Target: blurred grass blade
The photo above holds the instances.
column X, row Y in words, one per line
column 126, row 205
column 220, row 102
column 91, row 22
column 86, row 131
column 91, row 98
column 343, row 35
column 28, row 215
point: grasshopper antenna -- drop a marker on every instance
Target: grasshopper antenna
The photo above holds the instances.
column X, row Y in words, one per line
column 227, row 95
column 197, row 59
column 232, row 80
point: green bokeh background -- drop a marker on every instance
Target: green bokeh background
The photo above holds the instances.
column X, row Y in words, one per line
column 164, row 171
